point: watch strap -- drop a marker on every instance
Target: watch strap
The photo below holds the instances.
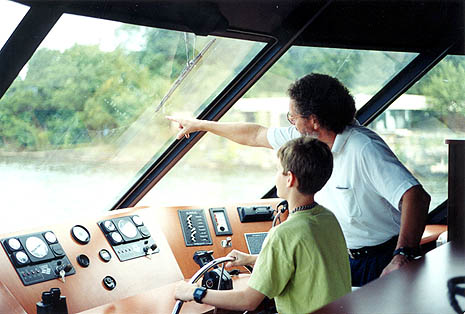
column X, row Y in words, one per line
column 408, row 252
column 199, row 294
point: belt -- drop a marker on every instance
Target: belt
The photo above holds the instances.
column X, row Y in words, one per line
column 373, row 250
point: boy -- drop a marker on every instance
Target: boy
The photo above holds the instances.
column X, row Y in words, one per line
column 303, row 263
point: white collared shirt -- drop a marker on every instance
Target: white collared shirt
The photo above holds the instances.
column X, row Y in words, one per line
column 366, row 186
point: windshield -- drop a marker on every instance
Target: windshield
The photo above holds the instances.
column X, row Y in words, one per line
column 231, row 172
column 417, row 125
column 11, row 14
column 86, row 115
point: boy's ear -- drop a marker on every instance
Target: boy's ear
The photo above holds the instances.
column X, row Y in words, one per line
column 291, row 179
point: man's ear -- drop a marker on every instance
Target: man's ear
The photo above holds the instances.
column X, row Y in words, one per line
column 316, row 123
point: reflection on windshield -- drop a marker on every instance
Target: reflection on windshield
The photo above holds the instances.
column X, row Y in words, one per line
column 417, row 124
column 231, row 172
column 81, row 124
column 11, row 14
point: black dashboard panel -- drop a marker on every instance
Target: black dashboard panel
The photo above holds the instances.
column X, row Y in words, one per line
column 129, row 237
column 37, row 257
column 194, row 227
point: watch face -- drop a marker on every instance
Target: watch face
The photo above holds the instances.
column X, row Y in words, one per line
column 127, row 228
column 36, row 247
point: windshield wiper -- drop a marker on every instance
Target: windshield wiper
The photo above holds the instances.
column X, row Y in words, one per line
column 190, row 65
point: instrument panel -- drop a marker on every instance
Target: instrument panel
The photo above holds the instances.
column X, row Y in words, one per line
column 149, row 243
column 129, row 237
column 38, row 257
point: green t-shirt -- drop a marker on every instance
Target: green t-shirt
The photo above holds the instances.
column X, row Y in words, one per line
column 303, row 263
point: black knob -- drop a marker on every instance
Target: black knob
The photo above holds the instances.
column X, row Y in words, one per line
column 83, row 260
column 68, row 267
column 55, row 294
column 153, row 247
column 47, row 297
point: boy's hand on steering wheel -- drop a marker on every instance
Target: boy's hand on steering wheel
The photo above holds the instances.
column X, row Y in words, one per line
column 240, row 258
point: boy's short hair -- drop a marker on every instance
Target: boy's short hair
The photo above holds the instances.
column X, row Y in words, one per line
column 310, row 160
column 326, row 98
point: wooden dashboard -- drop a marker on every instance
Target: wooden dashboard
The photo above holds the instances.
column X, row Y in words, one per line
column 144, row 277
column 144, row 284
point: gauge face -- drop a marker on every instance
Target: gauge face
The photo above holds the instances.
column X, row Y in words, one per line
column 21, row 257
column 50, row 237
column 80, row 234
column 14, row 244
column 36, row 247
column 109, row 225
column 127, row 228
column 105, row 255
column 137, row 220
column 116, row 237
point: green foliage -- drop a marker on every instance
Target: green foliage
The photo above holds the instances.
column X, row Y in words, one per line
column 83, row 94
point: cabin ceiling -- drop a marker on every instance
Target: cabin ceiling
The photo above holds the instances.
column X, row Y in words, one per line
column 415, row 26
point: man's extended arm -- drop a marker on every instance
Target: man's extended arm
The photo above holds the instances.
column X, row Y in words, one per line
column 414, row 206
column 249, row 134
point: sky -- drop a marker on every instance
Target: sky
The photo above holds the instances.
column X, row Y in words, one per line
column 68, row 31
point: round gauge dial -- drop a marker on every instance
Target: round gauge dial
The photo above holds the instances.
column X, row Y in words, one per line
column 36, row 247
column 104, row 255
column 109, row 225
column 14, row 244
column 127, row 228
column 116, row 237
column 80, row 234
column 21, row 257
column 137, row 220
column 50, row 237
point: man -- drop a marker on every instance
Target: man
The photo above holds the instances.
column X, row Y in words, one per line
column 381, row 207
column 303, row 264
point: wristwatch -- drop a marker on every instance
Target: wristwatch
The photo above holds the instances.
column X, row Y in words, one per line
column 199, row 294
column 408, row 252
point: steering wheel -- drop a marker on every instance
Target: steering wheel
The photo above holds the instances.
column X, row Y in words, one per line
column 199, row 274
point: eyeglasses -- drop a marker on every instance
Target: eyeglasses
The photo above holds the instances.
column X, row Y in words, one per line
column 292, row 118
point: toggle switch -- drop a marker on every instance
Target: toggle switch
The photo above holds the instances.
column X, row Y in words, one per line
column 227, row 242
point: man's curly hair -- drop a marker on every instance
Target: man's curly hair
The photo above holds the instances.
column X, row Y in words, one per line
column 326, row 98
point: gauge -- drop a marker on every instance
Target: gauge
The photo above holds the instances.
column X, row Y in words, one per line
column 116, row 237
column 36, row 247
column 14, row 244
column 80, row 234
column 127, row 228
column 137, row 220
column 109, row 225
column 21, row 258
column 104, row 255
column 50, row 237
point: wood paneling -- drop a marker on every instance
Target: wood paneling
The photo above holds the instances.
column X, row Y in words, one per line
column 145, row 284
column 84, row 290
column 168, row 219
column 8, row 303
column 158, row 301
